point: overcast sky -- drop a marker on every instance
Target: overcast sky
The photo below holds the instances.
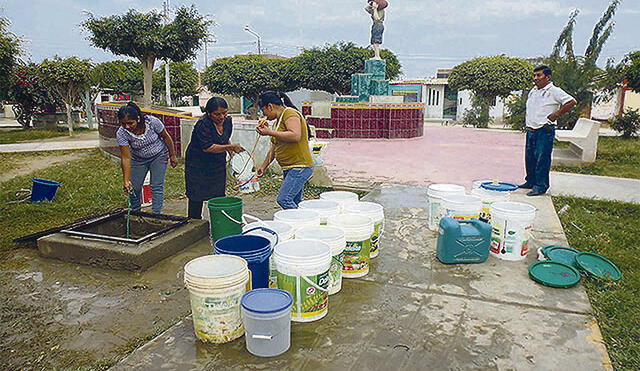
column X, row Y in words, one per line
column 425, row 34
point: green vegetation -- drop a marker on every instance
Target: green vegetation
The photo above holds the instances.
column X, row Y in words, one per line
column 16, row 136
column 618, row 157
column 610, row 229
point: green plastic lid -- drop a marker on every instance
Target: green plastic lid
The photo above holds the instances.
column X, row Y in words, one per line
column 554, row 274
column 561, row 254
column 598, row 265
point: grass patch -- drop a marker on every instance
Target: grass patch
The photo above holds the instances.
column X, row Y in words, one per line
column 30, row 135
column 610, row 229
column 616, row 157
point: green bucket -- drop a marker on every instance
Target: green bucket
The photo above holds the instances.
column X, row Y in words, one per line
column 225, row 217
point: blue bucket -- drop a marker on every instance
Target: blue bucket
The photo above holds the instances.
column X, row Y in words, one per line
column 256, row 250
column 43, row 189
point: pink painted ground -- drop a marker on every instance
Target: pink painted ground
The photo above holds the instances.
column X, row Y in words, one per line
column 444, row 154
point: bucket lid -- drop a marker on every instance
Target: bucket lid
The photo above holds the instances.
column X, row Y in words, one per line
column 363, row 207
column 242, row 163
column 350, row 221
column 284, row 230
column 339, row 196
column 500, row 186
column 441, row 189
column 323, row 233
column 561, row 254
column 321, row 206
column 215, row 266
column 554, row 274
column 296, row 215
column 266, row 301
column 598, row 265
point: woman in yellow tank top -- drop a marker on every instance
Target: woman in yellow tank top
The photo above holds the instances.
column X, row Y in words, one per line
column 289, row 146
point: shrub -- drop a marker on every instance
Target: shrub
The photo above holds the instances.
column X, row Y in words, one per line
column 628, row 124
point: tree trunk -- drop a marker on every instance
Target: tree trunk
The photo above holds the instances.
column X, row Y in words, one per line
column 69, row 120
column 147, row 69
column 86, row 98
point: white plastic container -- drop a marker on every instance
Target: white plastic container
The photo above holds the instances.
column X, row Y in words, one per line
column 462, row 207
column 266, row 314
column 511, row 224
column 358, row 230
column 335, row 238
column 216, row 284
column 435, row 194
column 303, row 271
column 478, row 183
column 376, row 213
column 242, row 167
column 283, row 230
column 298, row 218
column 325, row 208
column 341, row 197
column 489, row 197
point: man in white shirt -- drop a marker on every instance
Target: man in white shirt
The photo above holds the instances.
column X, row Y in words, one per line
column 545, row 104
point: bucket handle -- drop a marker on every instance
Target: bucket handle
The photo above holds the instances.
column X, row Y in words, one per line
column 266, row 230
column 262, row 337
column 251, row 217
column 230, row 217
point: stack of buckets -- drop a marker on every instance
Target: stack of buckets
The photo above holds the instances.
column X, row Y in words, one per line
column 305, row 253
column 511, row 222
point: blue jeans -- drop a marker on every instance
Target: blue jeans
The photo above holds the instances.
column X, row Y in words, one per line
column 538, row 157
column 290, row 194
column 139, row 169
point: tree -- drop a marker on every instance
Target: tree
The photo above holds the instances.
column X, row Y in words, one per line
column 246, row 75
column 123, row 77
column 632, row 71
column 145, row 37
column 579, row 75
column 29, row 94
column 68, row 79
column 9, row 52
column 490, row 77
column 329, row 68
column 184, row 81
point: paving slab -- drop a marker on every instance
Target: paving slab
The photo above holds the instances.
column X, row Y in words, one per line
column 412, row 312
column 594, row 186
column 49, row 146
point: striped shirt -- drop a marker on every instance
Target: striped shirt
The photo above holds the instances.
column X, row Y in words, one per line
column 147, row 144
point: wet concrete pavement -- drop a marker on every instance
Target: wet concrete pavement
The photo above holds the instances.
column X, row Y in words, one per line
column 412, row 312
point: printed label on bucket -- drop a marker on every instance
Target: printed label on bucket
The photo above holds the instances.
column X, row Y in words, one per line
column 335, row 271
column 311, row 302
column 217, row 319
column 375, row 239
column 356, row 257
column 485, row 215
column 511, row 240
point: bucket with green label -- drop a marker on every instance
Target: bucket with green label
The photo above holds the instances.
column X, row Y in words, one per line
column 374, row 211
column 511, row 226
column 303, row 271
column 358, row 230
column 335, row 238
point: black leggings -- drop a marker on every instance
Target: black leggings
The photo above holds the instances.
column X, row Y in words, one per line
column 195, row 209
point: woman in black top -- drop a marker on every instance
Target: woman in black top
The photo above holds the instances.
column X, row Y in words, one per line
column 205, row 163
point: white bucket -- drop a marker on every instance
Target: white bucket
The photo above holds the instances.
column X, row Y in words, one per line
column 462, row 207
column 376, row 213
column 489, row 197
column 435, row 194
column 298, row 218
column 242, row 167
column 511, row 224
column 478, row 183
column 303, row 271
column 266, row 314
column 335, row 238
column 341, row 197
column 216, row 284
column 325, row 208
column 358, row 230
column 284, row 232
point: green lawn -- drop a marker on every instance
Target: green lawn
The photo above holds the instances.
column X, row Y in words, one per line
column 610, row 229
column 616, row 157
column 16, row 136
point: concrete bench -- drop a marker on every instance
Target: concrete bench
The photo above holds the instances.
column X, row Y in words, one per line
column 583, row 143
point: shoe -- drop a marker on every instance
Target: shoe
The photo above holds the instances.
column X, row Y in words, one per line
column 535, row 193
column 525, row 186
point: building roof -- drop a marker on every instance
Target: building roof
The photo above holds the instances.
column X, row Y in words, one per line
column 424, row 81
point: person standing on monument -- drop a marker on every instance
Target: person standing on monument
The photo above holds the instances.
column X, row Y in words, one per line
column 376, row 10
column 545, row 104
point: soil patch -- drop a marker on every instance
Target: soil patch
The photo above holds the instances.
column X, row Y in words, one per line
column 23, row 164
